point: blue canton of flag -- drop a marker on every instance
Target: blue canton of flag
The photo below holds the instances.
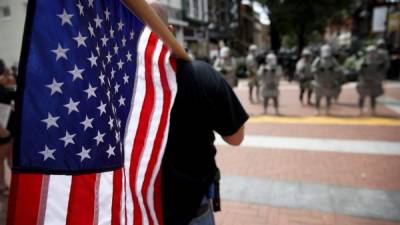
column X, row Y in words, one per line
column 77, row 86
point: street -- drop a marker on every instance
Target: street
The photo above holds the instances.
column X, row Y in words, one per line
column 302, row 169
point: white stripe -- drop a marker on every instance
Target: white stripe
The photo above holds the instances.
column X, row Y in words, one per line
column 57, row 200
column 134, row 115
column 173, row 87
column 391, row 103
column 153, row 128
column 321, row 145
column 105, row 197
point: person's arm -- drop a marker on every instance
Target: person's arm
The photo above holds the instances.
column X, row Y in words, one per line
column 235, row 139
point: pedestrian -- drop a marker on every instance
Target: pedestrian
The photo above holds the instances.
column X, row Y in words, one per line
column 205, row 103
column 304, row 75
column 269, row 75
column 326, row 72
column 372, row 72
column 251, row 66
column 226, row 65
column 7, row 94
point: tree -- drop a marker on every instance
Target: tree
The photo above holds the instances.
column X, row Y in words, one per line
column 302, row 18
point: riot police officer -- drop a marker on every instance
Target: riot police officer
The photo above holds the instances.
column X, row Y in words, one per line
column 269, row 75
column 372, row 73
column 251, row 66
column 327, row 74
column 304, row 75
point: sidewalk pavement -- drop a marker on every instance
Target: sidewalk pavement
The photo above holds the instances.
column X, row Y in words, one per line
column 301, row 169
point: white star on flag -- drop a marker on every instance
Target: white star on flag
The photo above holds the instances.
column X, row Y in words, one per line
column 87, row 123
column 91, row 3
column 102, row 108
column 68, row 139
column 116, row 49
column 110, row 151
column 51, row 121
column 80, row 40
column 93, row 60
column 104, row 39
column 126, row 79
column 111, row 123
column 80, row 6
column 116, row 88
column 101, row 77
column 120, row 25
column 99, row 137
column 132, row 35
column 111, row 32
column 128, row 57
column 120, row 64
column 72, row 106
column 124, row 41
column 55, row 87
column 65, row 18
column 121, row 101
column 49, row 153
column 60, row 52
column 107, row 13
column 91, row 30
column 98, row 21
column 84, row 154
column 91, row 91
column 76, row 73
column 109, row 56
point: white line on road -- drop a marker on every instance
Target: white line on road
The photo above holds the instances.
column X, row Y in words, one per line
column 321, row 145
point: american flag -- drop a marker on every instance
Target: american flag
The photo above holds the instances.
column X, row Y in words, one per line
column 97, row 87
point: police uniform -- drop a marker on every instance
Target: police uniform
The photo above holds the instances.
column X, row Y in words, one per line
column 226, row 65
column 304, row 75
column 251, row 66
column 269, row 75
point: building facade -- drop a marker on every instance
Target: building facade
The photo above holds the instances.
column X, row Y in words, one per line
column 12, row 19
column 175, row 18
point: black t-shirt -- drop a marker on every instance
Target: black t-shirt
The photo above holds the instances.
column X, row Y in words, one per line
column 204, row 103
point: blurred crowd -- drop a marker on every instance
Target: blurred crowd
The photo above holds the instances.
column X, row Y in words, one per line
column 320, row 74
column 7, row 118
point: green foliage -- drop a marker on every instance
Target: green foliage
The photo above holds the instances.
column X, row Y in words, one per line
column 302, row 18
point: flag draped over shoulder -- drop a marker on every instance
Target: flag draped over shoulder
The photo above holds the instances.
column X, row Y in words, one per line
column 96, row 88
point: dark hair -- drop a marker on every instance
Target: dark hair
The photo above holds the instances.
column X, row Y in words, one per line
column 2, row 66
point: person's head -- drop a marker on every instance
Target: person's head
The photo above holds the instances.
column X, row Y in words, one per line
column 371, row 52
column 306, row 54
column 271, row 59
column 2, row 66
column 253, row 49
column 225, row 52
column 380, row 43
column 326, row 51
column 161, row 11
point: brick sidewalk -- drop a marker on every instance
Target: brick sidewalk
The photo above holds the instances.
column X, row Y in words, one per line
column 234, row 213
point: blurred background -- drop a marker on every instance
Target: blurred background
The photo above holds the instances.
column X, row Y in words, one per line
column 296, row 166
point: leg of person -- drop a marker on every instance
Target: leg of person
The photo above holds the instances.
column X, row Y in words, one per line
column 5, row 151
column 361, row 101
column 301, row 94
column 309, row 94
column 266, row 100
column 373, row 105
column 328, row 105
column 251, row 93
column 276, row 105
column 318, row 104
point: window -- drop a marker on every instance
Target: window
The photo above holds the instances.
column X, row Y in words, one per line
column 5, row 12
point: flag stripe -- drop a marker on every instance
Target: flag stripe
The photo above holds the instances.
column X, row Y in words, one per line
column 116, row 198
column 152, row 168
column 148, row 160
column 81, row 206
column 25, row 199
column 144, row 122
column 133, row 121
column 105, row 196
column 57, row 200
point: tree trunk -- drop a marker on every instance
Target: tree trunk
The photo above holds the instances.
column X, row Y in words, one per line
column 275, row 37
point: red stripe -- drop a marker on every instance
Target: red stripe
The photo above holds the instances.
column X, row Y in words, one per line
column 172, row 61
column 116, row 199
column 24, row 205
column 161, row 128
column 143, row 126
column 82, row 198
